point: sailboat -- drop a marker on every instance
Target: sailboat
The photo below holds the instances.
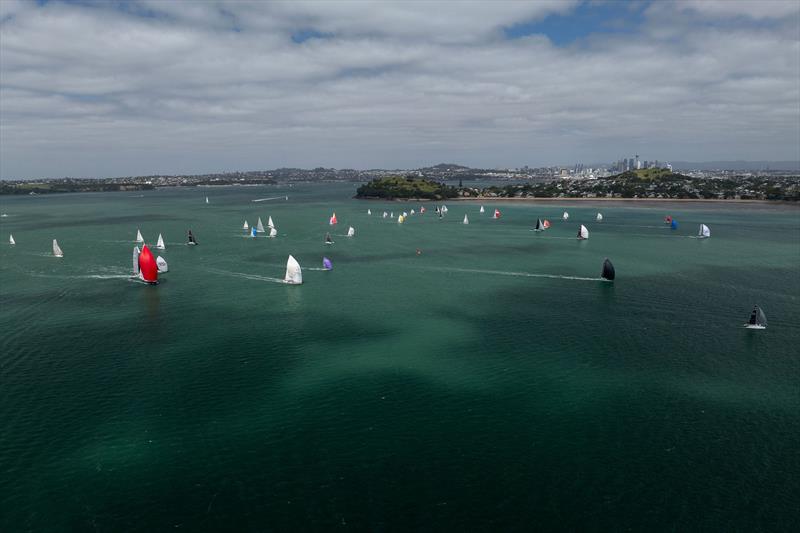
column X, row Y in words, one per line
column 206, row 199
column 326, row 264
column 294, row 276
column 369, row 211
column 412, row 211
column 599, row 217
column 57, row 249
column 11, row 240
column 444, row 209
column 146, row 267
column 583, row 233
column 565, row 216
column 139, row 237
column 546, row 224
column 162, row 265
column 400, row 219
column 192, row 241
column 270, row 224
column 482, row 210
column 673, row 224
column 539, row 225
column 758, row 320
column 422, row 210
column 405, row 215
column 608, row 271
column 351, row 231
column 385, row 214
column 328, row 239
column 333, row 220
column 246, row 226
column 391, row 215
column 160, row 243
column 703, row 232
column 667, row 220
column 496, row 214
column 260, row 226
column 466, row 220
column 254, row 233
column 273, row 232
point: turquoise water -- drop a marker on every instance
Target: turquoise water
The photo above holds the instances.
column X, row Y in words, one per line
column 490, row 382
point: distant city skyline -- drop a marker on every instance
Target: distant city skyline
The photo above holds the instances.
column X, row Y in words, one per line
column 150, row 87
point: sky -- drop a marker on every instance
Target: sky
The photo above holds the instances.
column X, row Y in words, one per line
column 96, row 89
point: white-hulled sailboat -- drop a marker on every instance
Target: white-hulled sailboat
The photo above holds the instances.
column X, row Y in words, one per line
column 273, row 232
column 246, row 227
column 385, row 214
column 57, row 249
column 565, row 216
column 139, row 237
column 160, row 243
column 599, row 217
column 758, row 320
column 351, row 231
column 369, row 211
column 703, row 232
column 466, row 219
column 481, row 210
column 270, row 224
column 583, row 233
column 206, row 199
column 294, row 276
column 11, row 239
column 260, row 226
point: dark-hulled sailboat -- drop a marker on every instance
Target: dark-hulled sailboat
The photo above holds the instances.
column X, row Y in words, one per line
column 608, row 271
column 758, row 320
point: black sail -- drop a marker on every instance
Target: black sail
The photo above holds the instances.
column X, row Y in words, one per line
column 539, row 223
column 608, row 270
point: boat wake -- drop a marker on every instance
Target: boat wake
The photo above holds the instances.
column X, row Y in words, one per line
column 270, row 198
column 243, row 275
column 316, row 268
column 519, row 274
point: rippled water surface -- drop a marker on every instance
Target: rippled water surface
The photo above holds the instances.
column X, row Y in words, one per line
column 488, row 382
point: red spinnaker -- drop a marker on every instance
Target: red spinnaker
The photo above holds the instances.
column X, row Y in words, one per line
column 148, row 269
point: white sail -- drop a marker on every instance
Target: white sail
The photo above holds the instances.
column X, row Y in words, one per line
column 273, row 232
column 246, row 226
column 369, row 211
column 391, row 215
column 444, row 209
column 599, row 217
column 57, row 249
column 161, row 263
column 385, row 214
column 405, row 215
column 135, row 260
column 466, row 220
column 482, row 210
column 351, row 231
column 583, row 233
column 704, row 231
column 294, row 275
column 270, row 224
column 139, row 237
column 400, row 219
column 565, row 216
column 260, row 226
column 160, row 243
column 412, row 211
column 206, row 199
column 11, row 240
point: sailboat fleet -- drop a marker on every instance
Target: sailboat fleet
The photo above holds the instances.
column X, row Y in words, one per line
column 147, row 268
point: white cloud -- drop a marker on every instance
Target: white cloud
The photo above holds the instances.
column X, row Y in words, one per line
column 188, row 87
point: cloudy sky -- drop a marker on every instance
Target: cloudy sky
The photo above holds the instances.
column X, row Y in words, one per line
column 127, row 88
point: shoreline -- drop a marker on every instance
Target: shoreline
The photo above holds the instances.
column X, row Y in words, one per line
column 488, row 199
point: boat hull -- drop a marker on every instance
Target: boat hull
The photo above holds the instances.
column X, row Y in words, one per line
column 754, row 326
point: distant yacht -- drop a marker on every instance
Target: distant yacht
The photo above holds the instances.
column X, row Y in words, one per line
column 466, row 219
column 599, row 217
column 583, row 233
column 333, row 220
column 206, row 199
column 144, row 265
column 57, row 249
column 539, row 225
column 481, row 210
column 254, row 232
column 565, row 216
column 758, row 319
column 385, row 214
column 161, row 263
column 11, row 239
column 270, row 224
column 273, row 232
column 703, row 232
column 326, row 264
column 369, row 211
column 351, row 231
column 192, row 241
column 673, row 224
column 608, row 270
column 328, row 239
column 294, row 276
column 260, row 226
column 139, row 237
column 246, row 227
column 160, row 243
column 496, row 214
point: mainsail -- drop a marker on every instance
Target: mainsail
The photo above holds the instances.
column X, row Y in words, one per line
column 246, row 226
column 599, row 217
column 192, row 240
column 161, row 263
column 333, row 220
column 160, row 243
column 270, row 223
column 466, row 220
column 369, row 211
column 273, row 232
column 326, row 264
column 583, row 233
column 351, row 231
column 206, row 199
column 704, row 231
column 481, row 210
column 565, row 216
column 539, row 225
column 608, row 270
column 139, row 237
column 294, row 275
column 57, row 249
column 135, row 260
column 11, row 240
column 758, row 320
column 260, row 226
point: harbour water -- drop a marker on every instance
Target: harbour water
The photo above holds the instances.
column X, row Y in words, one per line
column 441, row 377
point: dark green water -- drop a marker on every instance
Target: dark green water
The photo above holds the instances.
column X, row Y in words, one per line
column 441, row 391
